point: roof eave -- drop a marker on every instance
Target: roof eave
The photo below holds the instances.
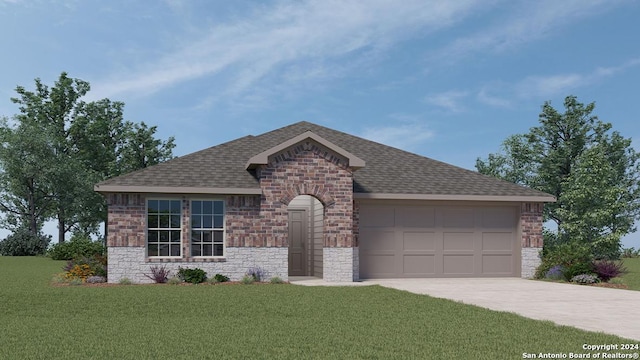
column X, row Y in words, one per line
column 175, row 190
column 500, row 198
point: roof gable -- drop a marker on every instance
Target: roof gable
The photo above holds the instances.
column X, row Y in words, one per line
column 263, row 157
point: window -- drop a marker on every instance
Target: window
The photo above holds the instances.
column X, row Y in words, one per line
column 163, row 227
column 207, row 228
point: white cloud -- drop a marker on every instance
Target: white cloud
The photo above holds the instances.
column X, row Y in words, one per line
column 273, row 39
column 549, row 85
column 448, row 100
column 528, row 22
column 484, row 97
column 406, row 135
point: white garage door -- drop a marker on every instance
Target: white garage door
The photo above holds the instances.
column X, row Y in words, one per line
column 399, row 241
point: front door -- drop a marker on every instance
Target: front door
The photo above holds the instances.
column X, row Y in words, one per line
column 298, row 238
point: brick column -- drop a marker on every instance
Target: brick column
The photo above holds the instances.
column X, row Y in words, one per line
column 532, row 239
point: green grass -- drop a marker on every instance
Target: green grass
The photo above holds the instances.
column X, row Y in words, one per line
column 632, row 278
column 40, row 321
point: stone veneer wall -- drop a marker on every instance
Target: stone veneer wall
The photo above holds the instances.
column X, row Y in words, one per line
column 131, row 263
column 532, row 240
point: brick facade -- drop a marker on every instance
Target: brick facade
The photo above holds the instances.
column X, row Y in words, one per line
column 531, row 224
column 307, row 169
column 127, row 220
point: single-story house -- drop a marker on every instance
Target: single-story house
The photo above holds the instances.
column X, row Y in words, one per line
column 306, row 200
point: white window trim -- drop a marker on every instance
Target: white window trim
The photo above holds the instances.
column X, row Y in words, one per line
column 146, row 233
column 223, row 229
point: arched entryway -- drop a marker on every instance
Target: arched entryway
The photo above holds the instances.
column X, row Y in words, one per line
column 306, row 238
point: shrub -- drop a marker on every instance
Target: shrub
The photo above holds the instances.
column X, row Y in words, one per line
column 276, row 280
column 575, row 258
column 555, row 273
column 608, row 269
column 247, row 280
column 76, row 247
column 125, row 281
column 79, row 271
column 221, row 278
column 256, row 273
column 174, row 281
column 97, row 264
column 96, row 279
column 212, row 280
column 194, row 276
column 23, row 243
column 584, row 279
column 159, row 274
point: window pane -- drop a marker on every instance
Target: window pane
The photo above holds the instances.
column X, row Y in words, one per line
column 206, row 236
column 175, row 249
column 164, row 249
column 164, row 206
column 164, row 221
column 164, row 236
column 175, row 236
column 152, row 205
column 195, row 250
column 196, row 221
column 153, row 236
column 218, row 250
column 207, row 222
column 196, row 236
column 217, row 221
column 207, row 250
column 153, row 250
column 218, row 236
column 175, row 221
column 196, row 207
column 175, row 207
column 152, row 221
column 218, row 207
column 207, row 207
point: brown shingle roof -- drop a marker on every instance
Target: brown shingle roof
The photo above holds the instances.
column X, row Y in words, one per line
column 388, row 170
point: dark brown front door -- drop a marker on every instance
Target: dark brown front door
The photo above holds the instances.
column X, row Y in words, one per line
column 297, row 242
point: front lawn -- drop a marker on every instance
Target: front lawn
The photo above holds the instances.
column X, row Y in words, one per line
column 41, row 321
column 632, row 277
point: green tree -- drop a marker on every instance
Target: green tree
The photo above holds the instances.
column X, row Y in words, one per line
column 25, row 189
column 591, row 170
column 84, row 142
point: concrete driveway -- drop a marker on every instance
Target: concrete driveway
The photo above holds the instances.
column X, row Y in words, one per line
column 612, row 311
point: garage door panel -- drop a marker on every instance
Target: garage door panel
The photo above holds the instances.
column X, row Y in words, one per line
column 424, row 240
column 458, row 265
column 458, row 218
column 416, row 217
column 459, row 241
column 423, row 265
column 377, row 216
column 497, row 264
column 378, row 240
column 498, row 218
column 378, row 265
column 497, row 241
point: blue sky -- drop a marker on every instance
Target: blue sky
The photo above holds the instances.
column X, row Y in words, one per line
column 444, row 79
